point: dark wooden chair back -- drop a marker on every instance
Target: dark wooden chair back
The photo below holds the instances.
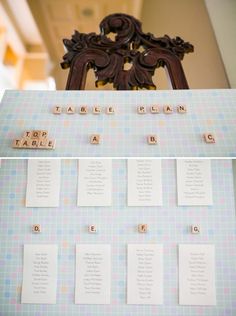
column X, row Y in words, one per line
column 107, row 58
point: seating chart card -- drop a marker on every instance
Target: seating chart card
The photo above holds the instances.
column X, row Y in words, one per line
column 43, row 183
column 144, row 182
column 95, row 182
column 39, row 274
column 93, row 274
column 197, row 275
column 194, row 182
column 145, row 274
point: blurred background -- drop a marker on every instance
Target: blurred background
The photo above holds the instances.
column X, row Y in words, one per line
column 31, row 33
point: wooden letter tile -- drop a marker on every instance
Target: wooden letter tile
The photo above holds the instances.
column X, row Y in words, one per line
column 70, row 109
column 57, row 109
column 97, row 109
column 195, row 229
column 168, row 109
column 36, row 228
column 141, row 109
column 155, row 109
column 44, row 134
column 51, row 144
column 152, row 139
column 25, row 143
column 83, row 109
column 35, row 134
column 16, row 143
column 142, row 228
column 27, row 134
column 92, row 229
column 181, row 108
column 34, row 143
column 110, row 110
column 209, row 138
column 95, row 139
column 43, row 143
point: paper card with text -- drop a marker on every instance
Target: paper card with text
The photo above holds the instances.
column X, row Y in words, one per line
column 144, row 182
column 95, row 182
column 145, row 274
column 93, row 274
column 194, row 182
column 197, row 274
column 43, row 183
column 39, row 274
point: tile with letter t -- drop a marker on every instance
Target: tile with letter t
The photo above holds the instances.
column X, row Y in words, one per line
column 142, row 228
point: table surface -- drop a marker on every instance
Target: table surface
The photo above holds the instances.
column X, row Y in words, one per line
column 117, row 225
column 123, row 134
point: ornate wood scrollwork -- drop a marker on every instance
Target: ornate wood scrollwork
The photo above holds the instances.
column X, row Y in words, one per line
column 108, row 57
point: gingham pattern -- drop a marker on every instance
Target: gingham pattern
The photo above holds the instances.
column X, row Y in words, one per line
column 67, row 225
column 123, row 134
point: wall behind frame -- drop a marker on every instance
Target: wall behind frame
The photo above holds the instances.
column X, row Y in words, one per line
column 188, row 19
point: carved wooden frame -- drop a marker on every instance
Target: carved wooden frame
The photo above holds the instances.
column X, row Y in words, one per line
column 107, row 57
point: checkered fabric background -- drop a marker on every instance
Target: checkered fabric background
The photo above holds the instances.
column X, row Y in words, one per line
column 117, row 225
column 123, row 134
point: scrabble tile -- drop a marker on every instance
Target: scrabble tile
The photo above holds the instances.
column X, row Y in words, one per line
column 155, row 109
column 209, row 138
column 44, row 134
column 27, row 134
column 97, row 109
column 110, row 110
column 35, row 134
column 51, row 144
column 95, row 139
column 57, row 110
column 152, row 139
column 141, row 109
column 181, row 108
column 195, row 229
column 70, row 109
column 43, row 143
column 16, row 143
column 25, row 143
column 34, row 143
column 168, row 109
column 83, row 109
column 92, row 229
column 142, row 228
column 36, row 228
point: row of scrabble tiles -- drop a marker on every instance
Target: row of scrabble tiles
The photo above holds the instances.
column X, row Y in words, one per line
column 141, row 109
column 141, row 228
column 36, row 139
column 153, row 139
column 84, row 109
column 42, row 142
column 167, row 109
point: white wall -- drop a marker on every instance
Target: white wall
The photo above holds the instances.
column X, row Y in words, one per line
column 223, row 18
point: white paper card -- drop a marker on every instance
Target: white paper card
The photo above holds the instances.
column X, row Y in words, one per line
column 39, row 274
column 95, row 182
column 197, row 275
column 43, row 183
column 93, row 274
column 194, row 182
column 144, row 182
column 145, row 274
